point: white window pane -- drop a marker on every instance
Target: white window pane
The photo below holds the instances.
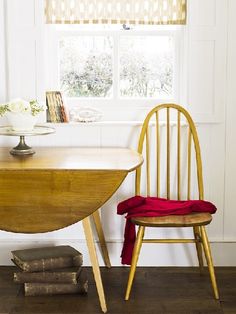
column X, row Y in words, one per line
column 86, row 66
column 146, row 66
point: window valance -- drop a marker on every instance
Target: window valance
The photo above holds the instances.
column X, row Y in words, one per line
column 151, row 12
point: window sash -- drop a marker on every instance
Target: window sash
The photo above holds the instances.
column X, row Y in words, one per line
column 53, row 80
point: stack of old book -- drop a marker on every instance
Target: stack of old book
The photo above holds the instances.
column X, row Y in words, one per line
column 50, row 270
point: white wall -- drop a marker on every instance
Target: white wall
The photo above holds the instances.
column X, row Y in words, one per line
column 3, row 58
column 230, row 144
column 210, row 65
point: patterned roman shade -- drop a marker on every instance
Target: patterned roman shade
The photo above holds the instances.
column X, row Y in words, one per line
column 115, row 11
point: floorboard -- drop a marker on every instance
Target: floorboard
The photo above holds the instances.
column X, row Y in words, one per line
column 156, row 290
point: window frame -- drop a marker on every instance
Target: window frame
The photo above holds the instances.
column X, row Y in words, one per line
column 53, row 33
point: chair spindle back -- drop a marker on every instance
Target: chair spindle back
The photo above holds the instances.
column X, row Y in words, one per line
column 181, row 114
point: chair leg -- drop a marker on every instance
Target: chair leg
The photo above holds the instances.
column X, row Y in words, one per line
column 197, row 236
column 136, row 251
column 98, row 225
column 94, row 261
column 207, row 250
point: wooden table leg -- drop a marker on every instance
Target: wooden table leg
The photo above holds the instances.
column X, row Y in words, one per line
column 98, row 225
column 94, row 261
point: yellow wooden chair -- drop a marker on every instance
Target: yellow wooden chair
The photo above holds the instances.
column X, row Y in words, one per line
column 195, row 220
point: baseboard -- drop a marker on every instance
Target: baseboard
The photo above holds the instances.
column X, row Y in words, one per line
column 224, row 253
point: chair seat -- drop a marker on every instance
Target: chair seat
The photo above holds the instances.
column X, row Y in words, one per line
column 190, row 220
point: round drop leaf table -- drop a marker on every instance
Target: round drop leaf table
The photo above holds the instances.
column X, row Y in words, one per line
column 60, row 186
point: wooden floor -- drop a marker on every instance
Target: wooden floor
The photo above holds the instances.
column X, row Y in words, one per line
column 155, row 291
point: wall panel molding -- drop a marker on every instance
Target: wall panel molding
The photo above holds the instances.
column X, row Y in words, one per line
column 3, row 57
column 21, row 46
column 162, row 255
column 207, row 55
column 230, row 165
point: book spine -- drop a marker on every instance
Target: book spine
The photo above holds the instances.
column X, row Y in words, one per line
column 62, row 108
column 78, row 260
column 46, row 277
column 58, row 106
column 50, row 263
column 49, row 116
column 64, row 114
column 51, row 106
column 34, row 289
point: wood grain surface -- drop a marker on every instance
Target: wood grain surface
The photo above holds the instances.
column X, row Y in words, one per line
column 58, row 187
column 168, row 290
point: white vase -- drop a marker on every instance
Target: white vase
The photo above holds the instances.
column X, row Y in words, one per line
column 21, row 121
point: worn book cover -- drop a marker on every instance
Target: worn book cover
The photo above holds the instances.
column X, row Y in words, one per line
column 60, row 275
column 34, row 289
column 45, row 258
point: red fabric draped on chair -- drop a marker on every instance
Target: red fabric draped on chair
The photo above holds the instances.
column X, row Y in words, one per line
column 139, row 206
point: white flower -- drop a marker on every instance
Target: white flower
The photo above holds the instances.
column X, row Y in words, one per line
column 19, row 105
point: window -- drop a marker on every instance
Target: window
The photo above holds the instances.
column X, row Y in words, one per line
column 146, row 66
column 115, row 65
column 85, row 66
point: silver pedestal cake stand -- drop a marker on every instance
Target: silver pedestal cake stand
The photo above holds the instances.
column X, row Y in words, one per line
column 22, row 148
